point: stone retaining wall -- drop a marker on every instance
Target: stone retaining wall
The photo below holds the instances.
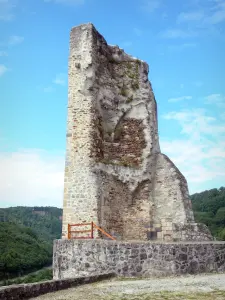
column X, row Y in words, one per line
column 27, row 291
column 84, row 258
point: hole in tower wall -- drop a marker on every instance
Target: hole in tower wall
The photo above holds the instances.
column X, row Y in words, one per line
column 151, row 235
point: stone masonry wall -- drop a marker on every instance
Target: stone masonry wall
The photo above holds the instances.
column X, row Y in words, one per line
column 74, row 258
column 115, row 174
column 31, row 290
column 80, row 187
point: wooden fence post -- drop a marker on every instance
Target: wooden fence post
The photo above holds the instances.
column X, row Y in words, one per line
column 69, row 232
column 92, row 230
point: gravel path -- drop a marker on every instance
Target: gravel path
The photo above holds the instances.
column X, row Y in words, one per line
column 154, row 288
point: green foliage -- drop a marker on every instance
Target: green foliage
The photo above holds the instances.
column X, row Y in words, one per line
column 138, row 62
column 130, row 99
column 118, row 132
column 26, row 239
column 132, row 71
column 46, row 226
column 221, row 234
column 21, row 250
column 42, row 275
column 135, row 85
column 209, row 208
column 123, row 91
column 129, row 65
column 220, row 216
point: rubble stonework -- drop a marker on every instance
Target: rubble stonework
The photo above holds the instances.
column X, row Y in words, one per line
column 115, row 173
column 33, row 290
column 73, row 258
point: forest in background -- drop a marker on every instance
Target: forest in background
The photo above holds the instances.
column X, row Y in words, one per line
column 26, row 238
column 27, row 233
column 209, row 208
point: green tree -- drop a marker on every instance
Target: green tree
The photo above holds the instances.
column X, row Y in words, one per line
column 209, row 208
column 26, row 238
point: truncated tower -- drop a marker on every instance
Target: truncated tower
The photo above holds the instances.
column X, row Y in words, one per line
column 115, row 173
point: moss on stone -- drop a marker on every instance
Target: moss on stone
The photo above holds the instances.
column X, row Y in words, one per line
column 118, row 132
column 130, row 99
column 138, row 61
column 129, row 65
column 113, row 61
column 132, row 76
column 123, row 92
column 135, row 85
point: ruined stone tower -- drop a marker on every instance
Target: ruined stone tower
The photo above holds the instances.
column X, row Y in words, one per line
column 115, row 173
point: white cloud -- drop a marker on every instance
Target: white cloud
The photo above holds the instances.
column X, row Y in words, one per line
column 199, row 162
column 7, row 10
column 199, row 152
column 15, row 40
column 196, row 122
column 151, row 5
column 182, row 46
column 178, row 33
column 211, row 13
column 202, row 18
column 194, row 16
column 218, row 16
column 48, row 89
column 215, row 99
column 3, row 69
column 3, row 53
column 60, row 79
column 67, row 2
column 31, row 177
column 179, row 99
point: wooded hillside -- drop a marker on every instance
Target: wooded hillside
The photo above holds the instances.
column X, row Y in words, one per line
column 209, row 208
column 26, row 236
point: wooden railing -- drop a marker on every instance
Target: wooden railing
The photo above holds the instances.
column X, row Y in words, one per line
column 71, row 232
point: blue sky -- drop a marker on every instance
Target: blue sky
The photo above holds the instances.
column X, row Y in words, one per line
column 184, row 45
